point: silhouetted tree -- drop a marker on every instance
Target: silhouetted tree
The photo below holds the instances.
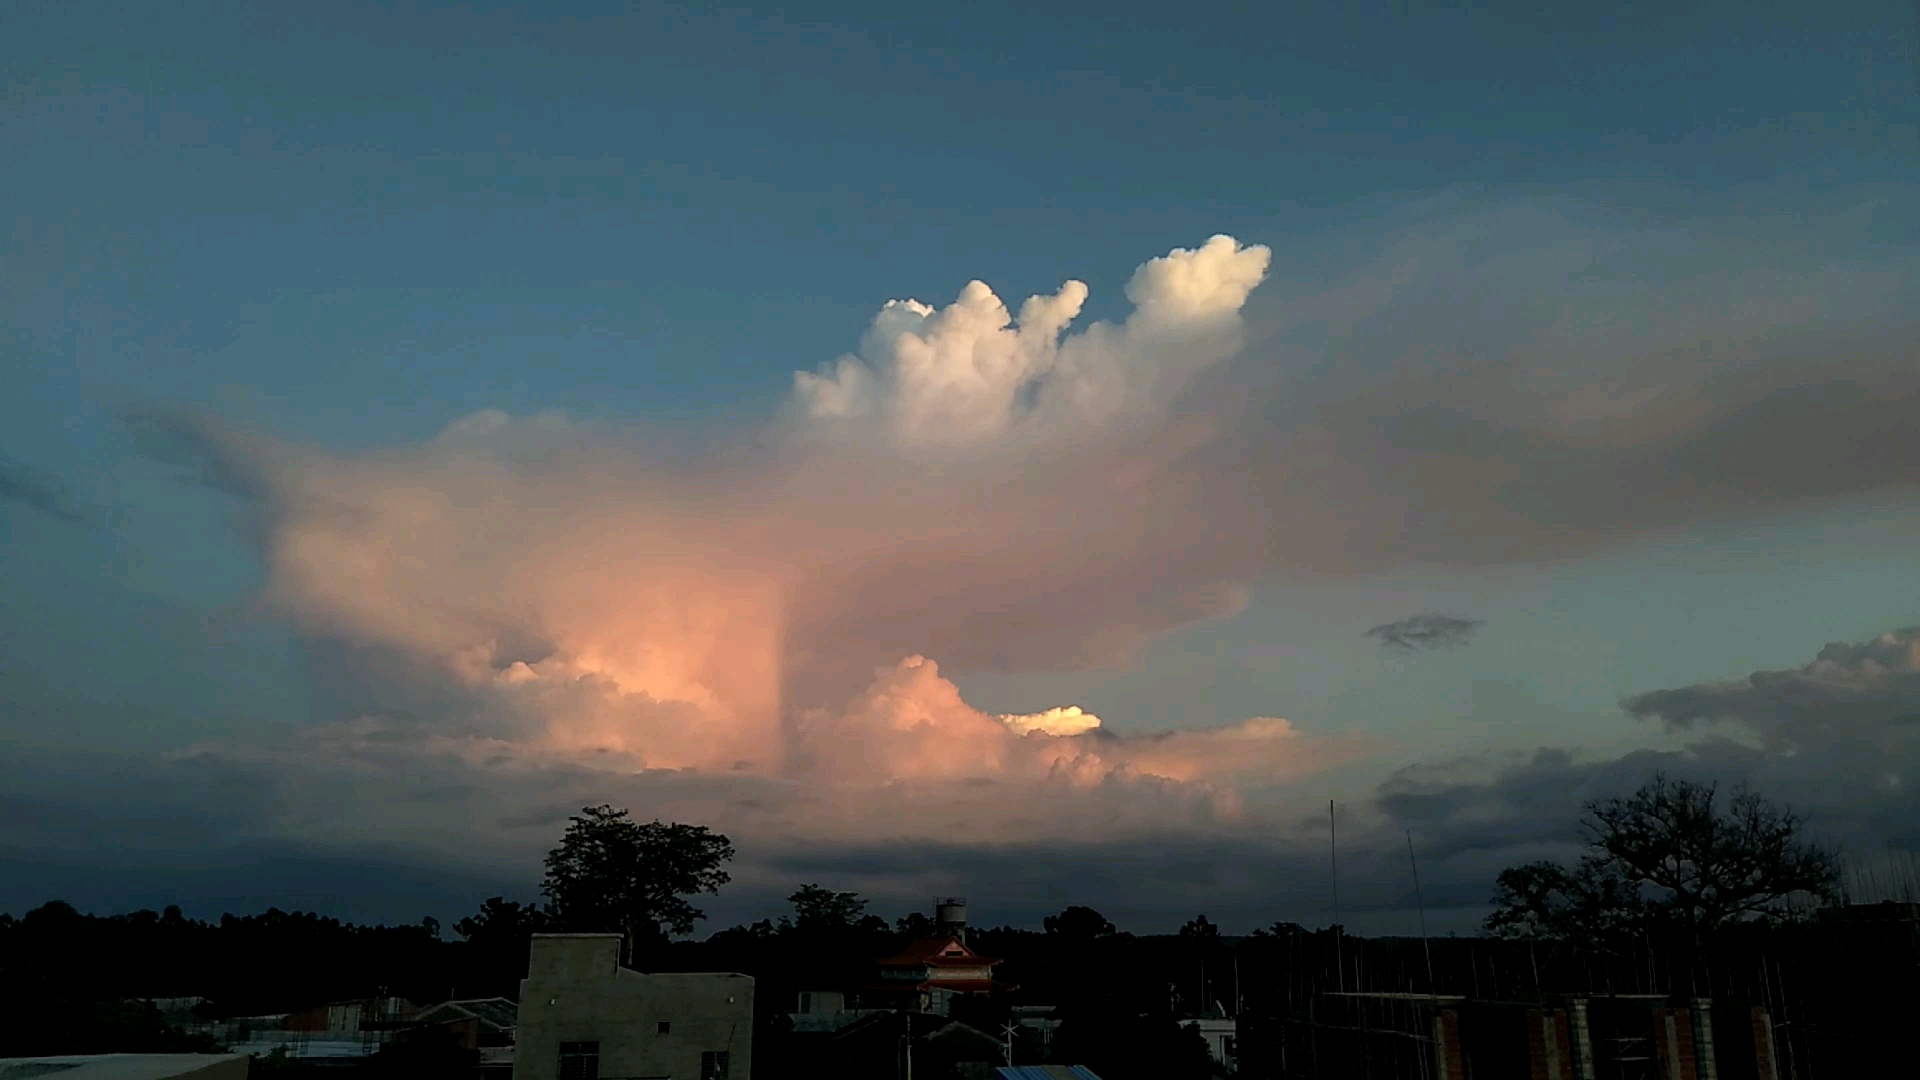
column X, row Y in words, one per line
column 816, row 909
column 1281, row 930
column 612, row 874
column 1079, row 922
column 1199, row 929
column 914, row 924
column 1668, row 855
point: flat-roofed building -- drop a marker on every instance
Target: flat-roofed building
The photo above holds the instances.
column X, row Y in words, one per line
column 583, row 1017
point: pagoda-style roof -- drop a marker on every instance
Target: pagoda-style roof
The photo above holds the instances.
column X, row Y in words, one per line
column 939, row 962
column 937, row 952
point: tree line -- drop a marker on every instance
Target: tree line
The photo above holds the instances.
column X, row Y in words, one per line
column 1673, row 861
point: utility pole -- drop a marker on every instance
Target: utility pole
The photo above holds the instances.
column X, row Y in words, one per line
column 1333, row 862
column 1008, row 1030
column 1422, row 905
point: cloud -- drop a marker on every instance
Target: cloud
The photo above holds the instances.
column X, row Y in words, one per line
column 1425, row 632
column 19, row 486
column 1837, row 739
column 971, row 374
column 1852, row 693
column 529, row 596
column 1535, row 379
column 767, row 636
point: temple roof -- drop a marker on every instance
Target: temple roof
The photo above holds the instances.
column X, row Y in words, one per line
column 938, row 952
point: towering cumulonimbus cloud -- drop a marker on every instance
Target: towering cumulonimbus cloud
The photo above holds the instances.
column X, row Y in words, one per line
column 971, row 375
column 972, row 487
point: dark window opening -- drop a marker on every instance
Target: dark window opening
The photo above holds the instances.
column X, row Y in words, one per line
column 666, row 1028
column 713, row 1065
column 579, row 1061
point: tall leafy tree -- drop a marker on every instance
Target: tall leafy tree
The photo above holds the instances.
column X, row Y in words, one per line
column 613, row 874
column 816, row 908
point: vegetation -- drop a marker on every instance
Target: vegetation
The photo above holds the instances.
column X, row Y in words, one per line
column 616, row 875
column 1671, row 859
column 1668, row 858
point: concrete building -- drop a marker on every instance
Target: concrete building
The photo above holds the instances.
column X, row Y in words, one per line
column 1219, row 1032
column 583, row 1017
column 128, row 1067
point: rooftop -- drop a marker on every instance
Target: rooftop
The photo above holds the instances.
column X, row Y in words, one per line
column 121, row 1066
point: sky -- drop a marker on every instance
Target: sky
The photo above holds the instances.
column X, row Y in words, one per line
column 951, row 452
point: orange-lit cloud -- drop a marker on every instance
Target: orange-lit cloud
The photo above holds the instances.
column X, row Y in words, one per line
column 971, row 487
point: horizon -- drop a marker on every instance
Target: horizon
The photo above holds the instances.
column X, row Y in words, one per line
column 1035, row 457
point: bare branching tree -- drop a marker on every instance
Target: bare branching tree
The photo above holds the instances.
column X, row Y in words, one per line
column 1668, row 854
column 1712, row 868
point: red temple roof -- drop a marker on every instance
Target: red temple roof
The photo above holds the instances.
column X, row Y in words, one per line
column 938, row 952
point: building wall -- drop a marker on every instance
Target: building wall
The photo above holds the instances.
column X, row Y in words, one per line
column 576, row 991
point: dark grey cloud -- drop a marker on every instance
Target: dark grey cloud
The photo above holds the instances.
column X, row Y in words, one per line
column 1430, row 631
column 21, row 486
column 1837, row 739
column 1857, row 695
column 1538, row 380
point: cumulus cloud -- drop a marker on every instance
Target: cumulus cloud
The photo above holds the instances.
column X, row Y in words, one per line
column 1429, row 631
column 971, row 374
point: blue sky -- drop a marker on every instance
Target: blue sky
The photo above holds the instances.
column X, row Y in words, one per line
column 347, row 230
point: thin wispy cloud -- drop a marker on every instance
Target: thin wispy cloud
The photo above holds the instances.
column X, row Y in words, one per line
column 38, row 493
column 1430, row 631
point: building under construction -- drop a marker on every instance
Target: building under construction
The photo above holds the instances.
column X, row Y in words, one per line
column 1441, row 1037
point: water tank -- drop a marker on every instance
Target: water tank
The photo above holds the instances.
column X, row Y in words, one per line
column 950, row 915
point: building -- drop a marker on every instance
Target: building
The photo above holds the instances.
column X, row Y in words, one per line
column 474, row 1022
column 1550, row 1037
column 891, row 1044
column 483, row 1025
column 128, row 1067
column 352, row 1017
column 583, row 1016
column 1044, row 1072
column 930, row 972
column 1219, row 1031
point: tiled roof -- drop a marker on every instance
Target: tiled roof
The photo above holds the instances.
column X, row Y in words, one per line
column 930, row 951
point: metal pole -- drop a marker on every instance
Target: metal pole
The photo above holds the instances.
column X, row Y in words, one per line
column 1422, row 905
column 1333, row 862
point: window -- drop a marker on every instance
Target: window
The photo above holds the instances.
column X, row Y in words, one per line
column 713, row 1065
column 666, row 1028
column 579, row 1061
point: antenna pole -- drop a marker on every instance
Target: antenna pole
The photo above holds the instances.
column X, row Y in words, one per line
column 1422, row 905
column 1333, row 863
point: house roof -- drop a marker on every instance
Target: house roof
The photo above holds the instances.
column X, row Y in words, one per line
column 498, row 1013
column 1045, row 1072
column 114, row 1066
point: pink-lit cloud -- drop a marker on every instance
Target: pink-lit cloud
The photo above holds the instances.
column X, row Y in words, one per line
column 969, row 488
column 986, row 486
